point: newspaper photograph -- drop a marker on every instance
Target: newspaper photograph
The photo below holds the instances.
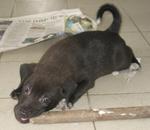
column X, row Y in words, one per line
column 22, row 31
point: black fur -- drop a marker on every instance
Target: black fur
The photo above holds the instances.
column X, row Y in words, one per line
column 70, row 67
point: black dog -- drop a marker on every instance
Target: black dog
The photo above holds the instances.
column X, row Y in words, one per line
column 70, row 67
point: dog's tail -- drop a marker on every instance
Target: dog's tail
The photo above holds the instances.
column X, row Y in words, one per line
column 115, row 26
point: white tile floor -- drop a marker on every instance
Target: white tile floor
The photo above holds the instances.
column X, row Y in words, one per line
column 109, row 91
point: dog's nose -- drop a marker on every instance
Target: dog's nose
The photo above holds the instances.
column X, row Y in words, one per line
column 23, row 113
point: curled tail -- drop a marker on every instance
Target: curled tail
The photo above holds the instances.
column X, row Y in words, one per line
column 115, row 26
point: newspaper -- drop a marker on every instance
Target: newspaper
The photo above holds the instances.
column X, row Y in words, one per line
column 22, row 31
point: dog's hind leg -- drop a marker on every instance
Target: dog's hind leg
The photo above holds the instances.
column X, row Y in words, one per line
column 82, row 88
column 25, row 71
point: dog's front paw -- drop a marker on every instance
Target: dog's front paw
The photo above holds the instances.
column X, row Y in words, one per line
column 63, row 105
column 69, row 105
column 15, row 94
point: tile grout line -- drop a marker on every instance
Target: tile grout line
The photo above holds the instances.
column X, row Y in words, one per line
column 94, row 94
column 134, row 24
column 12, row 11
column 90, row 107
column 15, row 61
column 5, row 98
column 89, row 102
column 67, row 4
column 146, row 31
column 94, row 125
column 1, row 55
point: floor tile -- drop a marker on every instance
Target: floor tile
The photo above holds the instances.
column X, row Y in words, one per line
column 8, row 121
column 119, row 100
column 139, row 13
column 139, row 124
column 119, row 84
column 6, row 7
column 140, row 6
column 137, row 43
column 80, row 3
column 141, row 20
column 82, row 103
column 27, row 7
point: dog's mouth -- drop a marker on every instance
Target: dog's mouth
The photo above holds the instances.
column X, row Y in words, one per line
column 24, row 120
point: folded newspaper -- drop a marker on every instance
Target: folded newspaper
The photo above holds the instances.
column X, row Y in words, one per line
column 22, row 31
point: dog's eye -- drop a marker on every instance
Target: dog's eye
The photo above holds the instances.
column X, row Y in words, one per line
column 44, row 100
column 27, row 90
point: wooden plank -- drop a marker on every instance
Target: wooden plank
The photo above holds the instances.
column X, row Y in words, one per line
column 69, row 116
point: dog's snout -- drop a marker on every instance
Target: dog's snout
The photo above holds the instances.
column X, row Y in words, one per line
column 23, row 113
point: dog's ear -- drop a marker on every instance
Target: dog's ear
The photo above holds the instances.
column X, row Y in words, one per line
column 26, row 70
column 68, row 88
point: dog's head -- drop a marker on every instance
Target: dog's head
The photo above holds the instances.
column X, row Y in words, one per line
column 36, row 97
